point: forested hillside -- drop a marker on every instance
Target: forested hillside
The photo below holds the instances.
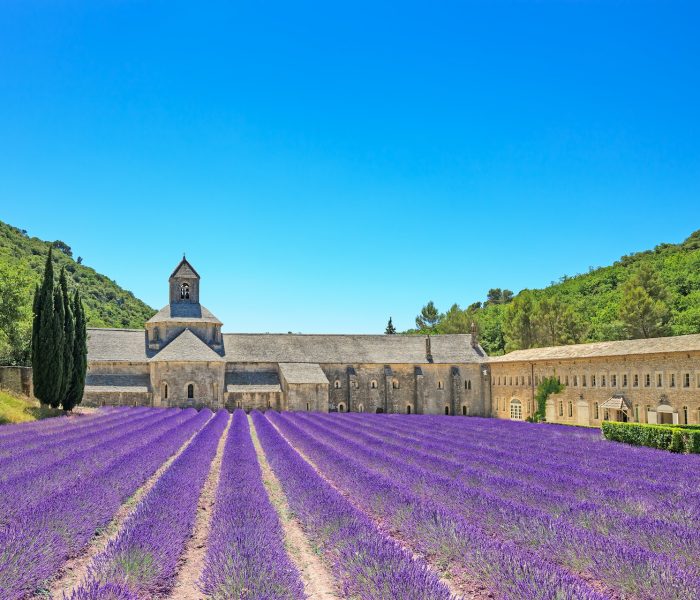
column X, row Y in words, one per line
column 22, row 260
column 647, row 294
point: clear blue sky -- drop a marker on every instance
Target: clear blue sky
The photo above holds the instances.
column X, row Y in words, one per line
column 327, row 165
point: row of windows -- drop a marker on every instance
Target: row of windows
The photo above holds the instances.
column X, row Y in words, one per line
column 622, row 380
column 395, row 384
column 409, row 409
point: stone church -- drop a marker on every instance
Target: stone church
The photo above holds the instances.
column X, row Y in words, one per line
column 182, row 358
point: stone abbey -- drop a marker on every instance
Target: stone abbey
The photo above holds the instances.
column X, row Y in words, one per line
column 183, row 358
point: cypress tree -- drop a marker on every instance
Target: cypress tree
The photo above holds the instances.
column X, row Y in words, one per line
column 57, row 339
column 77, row 380
column 47, row 339
column 69, row 335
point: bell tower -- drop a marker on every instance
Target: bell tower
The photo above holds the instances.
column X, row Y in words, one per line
column 184, row 284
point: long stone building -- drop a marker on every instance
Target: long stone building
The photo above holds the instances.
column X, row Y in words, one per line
column 183, row 358
column 653, row 380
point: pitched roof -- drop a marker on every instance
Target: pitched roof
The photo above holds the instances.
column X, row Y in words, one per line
column 187, row 347
column 184, row 312
column 130, row 345
column 679, row 343
column 349, row 349
column 302, row 373
column 184, row 269
column 117, row 345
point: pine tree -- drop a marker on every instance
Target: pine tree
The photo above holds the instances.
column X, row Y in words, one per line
column 74, row 396
column 48, row 337
column 69, row 336
column 390, row 329
column 428, row 318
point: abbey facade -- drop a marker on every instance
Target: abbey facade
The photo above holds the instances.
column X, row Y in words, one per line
column 182, row 358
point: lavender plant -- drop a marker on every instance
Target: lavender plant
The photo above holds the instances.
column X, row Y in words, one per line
column 246, row 558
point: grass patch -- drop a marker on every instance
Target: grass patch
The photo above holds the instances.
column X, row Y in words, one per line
column 17, row 409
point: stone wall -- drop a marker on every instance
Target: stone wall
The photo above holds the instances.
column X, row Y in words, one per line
column 657, row 388
column 424, row 389
column 17, row 380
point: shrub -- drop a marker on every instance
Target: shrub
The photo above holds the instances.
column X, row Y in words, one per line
column 676, row 438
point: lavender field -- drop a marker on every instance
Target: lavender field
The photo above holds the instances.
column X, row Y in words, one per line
column 167, row 503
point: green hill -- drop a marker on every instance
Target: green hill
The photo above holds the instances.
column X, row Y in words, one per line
column 22, row 260
column 594, row 306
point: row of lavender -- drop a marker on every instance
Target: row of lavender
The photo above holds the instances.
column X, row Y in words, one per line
column 448, row 488
column 52, row 503
column 142, row 560
column 246, row 557
column 363, row 560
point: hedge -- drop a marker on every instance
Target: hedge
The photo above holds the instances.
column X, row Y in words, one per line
column 676, row 438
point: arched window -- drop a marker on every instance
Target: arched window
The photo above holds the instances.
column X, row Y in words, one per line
column 190, row 391
column 269, row 404
column 373, row 384
column 468, row 384
column 165, row 391
column 341, row 407
column 395, row 384
column 184, row 291
column 336, row 385
column 516, row 410
column 571, row 409
column 360, row 408
column 440, row 385
column 464, row 411
column 447, row 410
column 408, row 409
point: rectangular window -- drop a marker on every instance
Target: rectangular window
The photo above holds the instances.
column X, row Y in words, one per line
column 596, row 411
column 571, row 409
column 561, row 408
column 593, row 381
column 635, row 381
column 575, row 380
column 603, row 382
column 510, row 381
column 672, row 382
column 624, row 380
column 659, row 380
column 686, row 380
column 685, row 415
column 566, row 381
column 613, row 380
column 583, row 380
column 529, row 379
column 647, row 380
column 636, row 413
column 606, row 415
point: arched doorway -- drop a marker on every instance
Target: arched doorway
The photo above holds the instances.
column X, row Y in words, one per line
column 408, row 409
column 341, row 407
column 516, row 410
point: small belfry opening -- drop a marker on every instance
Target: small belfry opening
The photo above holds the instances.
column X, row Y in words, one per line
column 185, row 291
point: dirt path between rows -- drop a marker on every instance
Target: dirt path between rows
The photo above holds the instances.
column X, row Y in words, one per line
column 466, row 592
column 317, row 579
column 192, row 560
column 75, row 569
